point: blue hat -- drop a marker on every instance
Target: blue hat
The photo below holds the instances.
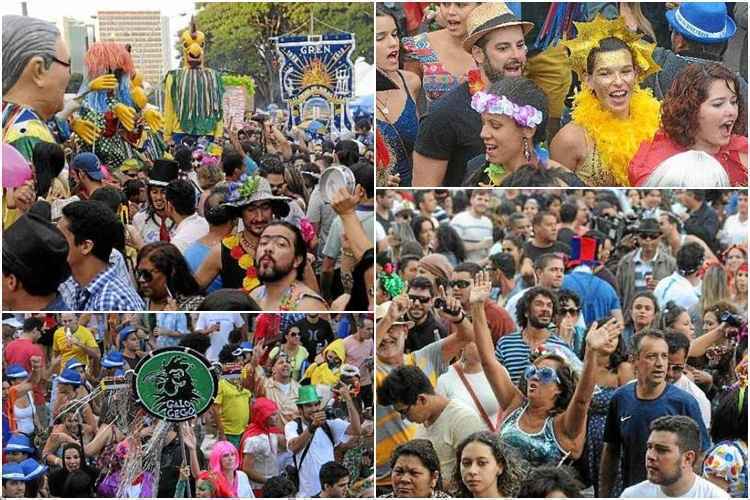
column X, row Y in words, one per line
column 14, row 472
column 32, row 469
column 74, row 363
column 16, row 371
column 703, row 22
column 19, row 442
column 246, row 346
column 69, row 376
column 89, row 163
column 119, row 372
column 125, row 331
column 113, row 359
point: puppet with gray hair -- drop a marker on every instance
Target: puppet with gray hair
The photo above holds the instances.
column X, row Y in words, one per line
column 33, row 88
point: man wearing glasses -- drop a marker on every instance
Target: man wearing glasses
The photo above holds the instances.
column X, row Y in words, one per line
column 644, row 267
column 427, row 329
column 679, row 345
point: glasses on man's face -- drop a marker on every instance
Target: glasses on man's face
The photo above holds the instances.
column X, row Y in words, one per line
column 677, row 368
column 62, row 63
column 545, row 374
column 570, row 311
column 420, row 299
column 404, row 412
column 460, row 283
column 649, row 236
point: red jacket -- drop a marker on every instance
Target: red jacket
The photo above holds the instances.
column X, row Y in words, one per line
column 651, row 154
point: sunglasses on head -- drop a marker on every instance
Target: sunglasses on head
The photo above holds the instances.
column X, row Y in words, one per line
column 420, row 299
column 460, row 283
column 545, row 374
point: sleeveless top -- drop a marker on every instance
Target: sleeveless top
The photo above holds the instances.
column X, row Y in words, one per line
column 195, row 254
column 540, row 448
column 400, row 137
column 25, row 417
column 593, row 173
column 436, row 80
column 292, row 297
column 231, row 272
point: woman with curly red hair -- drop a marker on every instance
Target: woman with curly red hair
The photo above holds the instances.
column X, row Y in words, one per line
column 702, row 111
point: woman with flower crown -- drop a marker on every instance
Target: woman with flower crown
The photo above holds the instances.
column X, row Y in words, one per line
column 611, row 114
column 514, row 118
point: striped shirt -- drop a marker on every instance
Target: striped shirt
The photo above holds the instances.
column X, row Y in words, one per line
column 473, row 229
column 513, row 353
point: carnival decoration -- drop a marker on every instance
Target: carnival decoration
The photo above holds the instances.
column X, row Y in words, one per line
column 193, row 94
column 317, row 78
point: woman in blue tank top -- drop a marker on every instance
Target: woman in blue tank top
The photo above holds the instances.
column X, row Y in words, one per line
column 546, row 420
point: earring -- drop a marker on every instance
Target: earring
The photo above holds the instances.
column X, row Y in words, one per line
column 526, row 151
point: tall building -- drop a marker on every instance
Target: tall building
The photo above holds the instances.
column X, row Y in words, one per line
column 79, row 36
column 145, row 32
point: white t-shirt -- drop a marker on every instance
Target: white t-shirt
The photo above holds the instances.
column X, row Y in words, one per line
column 243, row 485
column 264, row 450
column 677, row 288
column 227, row 322
column 454, row 424
column 689, row 386
column 702, row 488
column 320, row 452
column 188, row 231
column 451, row 386
column 734, row 231
column 473, row 229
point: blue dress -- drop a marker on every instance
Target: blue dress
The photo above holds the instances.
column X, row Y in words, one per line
column 592, row 450
column 400, row 137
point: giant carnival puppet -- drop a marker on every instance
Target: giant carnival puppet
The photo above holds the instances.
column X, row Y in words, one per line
column 193, row 94
column 128, row 125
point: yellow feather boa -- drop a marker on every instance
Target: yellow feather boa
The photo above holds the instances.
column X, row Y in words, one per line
column 617, row 140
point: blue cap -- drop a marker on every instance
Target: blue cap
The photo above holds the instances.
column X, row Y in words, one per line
column 119, row 372
column 703, row 22
column 69, row 376
column 32, row 469
column 74, row 363
column 125, row 331
column 16, row 371
column 89, row 163
column 113, row 359
column 19, row 442
column 247, row 346
column 14, row 472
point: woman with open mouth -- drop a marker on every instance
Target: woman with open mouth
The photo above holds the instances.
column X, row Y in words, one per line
column 438, row 56
column 611, row 114
column 703, row 111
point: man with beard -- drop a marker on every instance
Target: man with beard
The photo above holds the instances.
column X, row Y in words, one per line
column 257, row 206
column 449, row 136
column 282, row 256
column 632, row 409
column 427, row 329
column 536, row 309
column 475, row 228
column 673, row 449
column 85, row 175
column 152, row 222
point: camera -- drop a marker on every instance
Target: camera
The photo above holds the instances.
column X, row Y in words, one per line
column 730, row 319
column 442, row 305
column 333, row 412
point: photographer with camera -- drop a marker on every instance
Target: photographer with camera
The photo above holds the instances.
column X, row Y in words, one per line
column 313, row 437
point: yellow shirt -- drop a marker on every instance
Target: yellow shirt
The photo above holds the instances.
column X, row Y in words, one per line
column 235, row 407
column 60, row 345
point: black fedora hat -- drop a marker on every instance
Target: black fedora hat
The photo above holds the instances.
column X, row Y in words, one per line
column 36, row 252
column 163, row 172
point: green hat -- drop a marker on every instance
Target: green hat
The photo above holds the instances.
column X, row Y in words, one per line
column 307, row 394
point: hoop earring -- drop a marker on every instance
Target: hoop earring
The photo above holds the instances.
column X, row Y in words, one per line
column 526, row 151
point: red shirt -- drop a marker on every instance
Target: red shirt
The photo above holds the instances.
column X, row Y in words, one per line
column 651, row 154
column 20, row 351
column 267, row 327
column 498, row 320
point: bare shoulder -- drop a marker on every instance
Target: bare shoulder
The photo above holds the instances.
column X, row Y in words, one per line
column 570, row 135
column 412, row 81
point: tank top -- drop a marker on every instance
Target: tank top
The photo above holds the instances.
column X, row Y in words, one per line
column 25, row 417
column 401, row 136
column 540, row 448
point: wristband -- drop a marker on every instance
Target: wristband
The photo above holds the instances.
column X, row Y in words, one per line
column 463, row 316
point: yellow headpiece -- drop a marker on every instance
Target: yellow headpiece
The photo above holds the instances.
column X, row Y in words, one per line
column 192, row 46
column 591, row 33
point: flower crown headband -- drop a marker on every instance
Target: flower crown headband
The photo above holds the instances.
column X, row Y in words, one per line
column 526, row 116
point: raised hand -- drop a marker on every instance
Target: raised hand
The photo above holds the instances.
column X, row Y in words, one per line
column 344, row 202
column 604, row 337
column 399, row 306
column 452, row 311
column 480, row 292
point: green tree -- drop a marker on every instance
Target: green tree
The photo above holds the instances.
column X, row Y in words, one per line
column 239, row 36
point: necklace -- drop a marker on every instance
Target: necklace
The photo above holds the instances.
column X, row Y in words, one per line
column 383, row 108
column 237, row 250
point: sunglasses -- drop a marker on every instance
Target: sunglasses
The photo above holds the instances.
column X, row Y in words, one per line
column 292, row 334
column 145, row 275
column 420, row 299
column 404, row 412
column 572, row 311
column 545, row 375
column 649, row 236
column 460, row 283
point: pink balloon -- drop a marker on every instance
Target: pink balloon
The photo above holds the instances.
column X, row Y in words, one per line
column 16, row 169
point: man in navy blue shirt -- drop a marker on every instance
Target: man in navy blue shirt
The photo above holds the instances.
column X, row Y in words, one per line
column 634, row 406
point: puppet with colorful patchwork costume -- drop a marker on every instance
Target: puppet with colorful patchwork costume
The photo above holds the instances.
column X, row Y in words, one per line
column 193, row 94
column 121, row 114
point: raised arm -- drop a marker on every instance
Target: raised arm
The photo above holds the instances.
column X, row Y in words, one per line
column 462, row 332
column 700, row 345
column 507, row 394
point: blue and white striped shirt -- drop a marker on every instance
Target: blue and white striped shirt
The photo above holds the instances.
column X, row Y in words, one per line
column 513, row 353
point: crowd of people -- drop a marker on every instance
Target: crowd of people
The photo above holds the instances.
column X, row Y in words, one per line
column 567, row 94
column 239, row 220
column 292, row 414
column 542, row 343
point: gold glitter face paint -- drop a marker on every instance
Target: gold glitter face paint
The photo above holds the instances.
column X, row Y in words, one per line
column 613, row 60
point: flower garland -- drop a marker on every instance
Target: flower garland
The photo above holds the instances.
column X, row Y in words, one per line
column 244, row 260
column 617, row 140
column 525, row 116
